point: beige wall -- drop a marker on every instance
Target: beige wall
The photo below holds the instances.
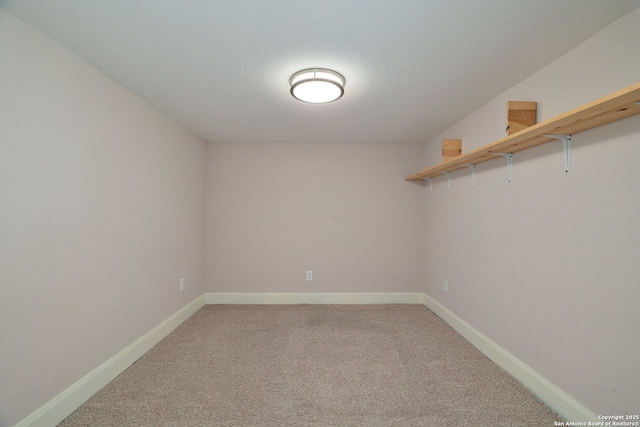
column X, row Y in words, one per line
column 101, row 214
column 548, row 265
column 340, row 210
column 102, row 211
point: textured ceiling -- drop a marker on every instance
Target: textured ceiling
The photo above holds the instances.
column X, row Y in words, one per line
column 413, row 68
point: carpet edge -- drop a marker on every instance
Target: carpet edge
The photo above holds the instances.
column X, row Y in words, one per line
column 64, row 404
column 559, row 401
column 73, row 397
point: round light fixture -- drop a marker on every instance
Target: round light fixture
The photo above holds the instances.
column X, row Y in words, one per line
column 317, row 85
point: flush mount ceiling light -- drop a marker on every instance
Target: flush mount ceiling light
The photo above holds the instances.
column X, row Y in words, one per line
column 317, row 85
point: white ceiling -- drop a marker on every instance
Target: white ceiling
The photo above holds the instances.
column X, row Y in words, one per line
column 413, row 68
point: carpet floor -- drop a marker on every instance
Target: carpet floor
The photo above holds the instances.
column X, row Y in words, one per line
column 313, row 365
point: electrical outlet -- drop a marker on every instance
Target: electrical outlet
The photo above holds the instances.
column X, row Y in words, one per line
column 445, row 285
column 181, row 285
column 309, row 276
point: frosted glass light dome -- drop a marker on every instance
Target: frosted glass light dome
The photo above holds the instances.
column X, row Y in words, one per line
column 317, row 85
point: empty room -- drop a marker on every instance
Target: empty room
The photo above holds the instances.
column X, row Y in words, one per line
column 339, row 213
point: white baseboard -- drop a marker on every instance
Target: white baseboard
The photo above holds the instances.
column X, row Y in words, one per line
column 63, row 405
column 71, row 399
column 316, row 298
column 559, row 401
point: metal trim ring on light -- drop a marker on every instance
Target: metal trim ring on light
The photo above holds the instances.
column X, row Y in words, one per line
column 337, row 81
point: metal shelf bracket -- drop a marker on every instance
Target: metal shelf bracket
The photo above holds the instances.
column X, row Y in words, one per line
column 430, row 186
column 509, row 157
column 566, row 139
column 473, row 173
column 448, row 174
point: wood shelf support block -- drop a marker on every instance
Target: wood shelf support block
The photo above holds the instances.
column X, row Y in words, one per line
column 451, row 148
column 566, row 140
column 509, row 157
column 520, row 115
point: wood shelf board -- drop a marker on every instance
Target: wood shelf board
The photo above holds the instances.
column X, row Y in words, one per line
column 616, row 106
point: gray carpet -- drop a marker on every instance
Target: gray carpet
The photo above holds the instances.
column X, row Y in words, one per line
column 313, row 365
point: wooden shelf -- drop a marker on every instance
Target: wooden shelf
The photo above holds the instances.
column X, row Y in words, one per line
column 619, row 105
